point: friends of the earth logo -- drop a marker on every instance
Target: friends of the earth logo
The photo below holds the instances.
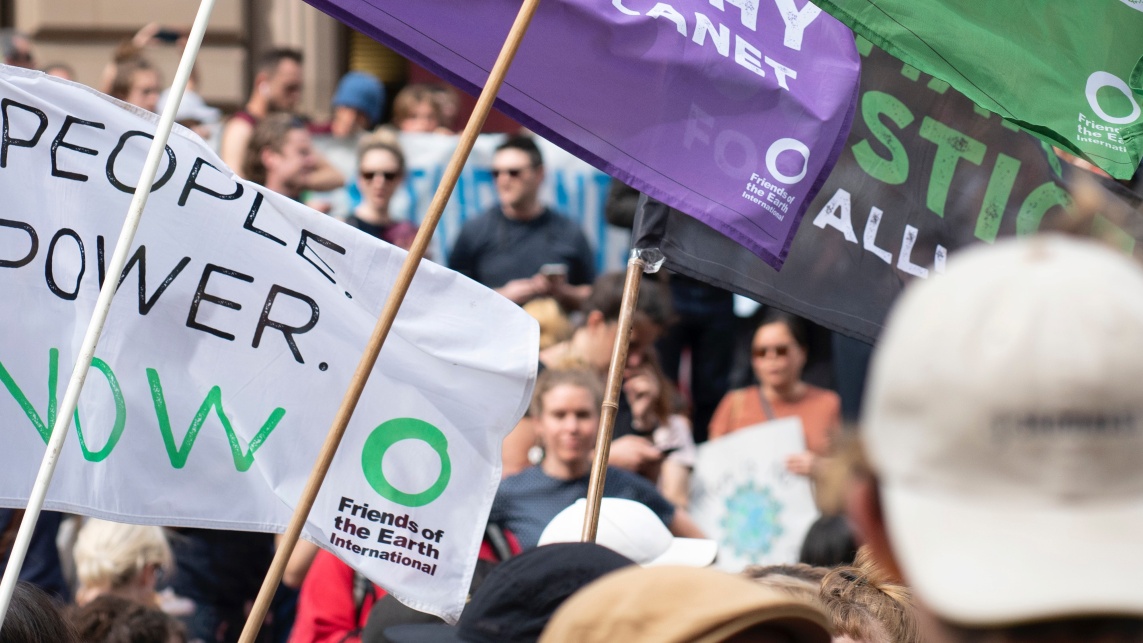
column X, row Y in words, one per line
column 390, row 433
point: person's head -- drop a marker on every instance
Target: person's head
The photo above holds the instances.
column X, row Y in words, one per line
column 357, row 103
column 121, row 559
column 415, row 109
column 60, row 70
column 33, row 617
column 865, row 606
column 565, row 408
column 684, row 605
column 136, row 82
column 1003, row 428
column 798, row 579
column 518, row 172
column 380, row 170
column 778, row 349
column 278, row 79
column 595, row 340
column 449, row 101
column 554, row 324
column 280, row 154
column 112, row 619
column 829, row 542
column 17, row 49
column 517, row 598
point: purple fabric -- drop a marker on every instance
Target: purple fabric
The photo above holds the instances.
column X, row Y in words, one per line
column 637, row 97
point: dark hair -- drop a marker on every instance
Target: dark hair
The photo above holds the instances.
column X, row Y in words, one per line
column 270, row 132
column 32, row 617
column 269, row 61
column 654, row 298
column 797, row 325
column 525, row 144
column 829, row 542
column 64, row 67
column 112, row 619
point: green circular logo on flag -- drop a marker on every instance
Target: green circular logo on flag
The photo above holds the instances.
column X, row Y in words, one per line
column 392, row 432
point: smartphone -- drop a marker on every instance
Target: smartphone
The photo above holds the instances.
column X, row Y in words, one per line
column 554, row 270
column 167, row 36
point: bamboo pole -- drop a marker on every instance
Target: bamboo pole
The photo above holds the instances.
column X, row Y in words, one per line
column 385, row 321
column 102, row 308
column 635, row 267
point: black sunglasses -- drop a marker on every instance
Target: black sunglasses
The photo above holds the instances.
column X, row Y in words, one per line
column 389, row 176
column 512, row 172
column 779, row 351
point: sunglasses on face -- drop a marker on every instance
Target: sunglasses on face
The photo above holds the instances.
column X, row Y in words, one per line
column 512, row 172
column 779, row 351
column 389, row 176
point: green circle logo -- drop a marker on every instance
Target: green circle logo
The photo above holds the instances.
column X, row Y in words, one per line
column 392, row 432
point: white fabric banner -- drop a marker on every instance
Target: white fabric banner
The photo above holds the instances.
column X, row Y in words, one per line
column 571, row 187
column 743, row 496
column 235, row 333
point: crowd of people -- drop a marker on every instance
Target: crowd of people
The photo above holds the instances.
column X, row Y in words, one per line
column 992, row 486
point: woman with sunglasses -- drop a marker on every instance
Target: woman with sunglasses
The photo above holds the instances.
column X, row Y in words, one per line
column 380, row 170
column 778, row 357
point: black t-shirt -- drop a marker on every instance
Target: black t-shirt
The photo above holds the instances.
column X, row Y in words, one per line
column 526, row 502
column 493, row 249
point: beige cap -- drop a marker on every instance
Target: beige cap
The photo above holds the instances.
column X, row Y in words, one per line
column 679, row 605
column 1004, row 418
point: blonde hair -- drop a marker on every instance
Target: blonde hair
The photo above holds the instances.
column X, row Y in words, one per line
column 555, row 377
column 799, row 580
column 554, row 324
column 111, row 555
column 866, row 605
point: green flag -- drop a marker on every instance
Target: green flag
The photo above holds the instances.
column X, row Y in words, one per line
column 1069, row 72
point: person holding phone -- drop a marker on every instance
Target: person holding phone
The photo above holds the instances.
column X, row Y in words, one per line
column 521, row 248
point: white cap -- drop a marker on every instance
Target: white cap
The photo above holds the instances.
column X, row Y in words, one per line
column 632, row 529
column 1004, row 418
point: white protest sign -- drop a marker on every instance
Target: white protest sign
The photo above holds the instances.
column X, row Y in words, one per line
column 229, row 347
column 743, row 496
column 571, row 187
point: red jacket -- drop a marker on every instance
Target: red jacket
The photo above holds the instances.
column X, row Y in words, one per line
column 328, row 612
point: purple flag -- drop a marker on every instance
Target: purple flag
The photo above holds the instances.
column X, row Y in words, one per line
column 733, row 111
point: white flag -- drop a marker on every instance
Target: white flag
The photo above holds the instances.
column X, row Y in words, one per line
column 228, row 348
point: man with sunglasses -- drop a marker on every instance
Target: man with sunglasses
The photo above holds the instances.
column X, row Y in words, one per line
column 521, row 248
column 17, row 49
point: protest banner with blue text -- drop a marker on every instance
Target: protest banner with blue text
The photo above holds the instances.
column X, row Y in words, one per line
column 733, row 112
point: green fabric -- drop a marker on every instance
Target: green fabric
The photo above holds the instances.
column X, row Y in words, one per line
column 1037, row 63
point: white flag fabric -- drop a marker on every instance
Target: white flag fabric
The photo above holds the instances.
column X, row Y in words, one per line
column 229, row 346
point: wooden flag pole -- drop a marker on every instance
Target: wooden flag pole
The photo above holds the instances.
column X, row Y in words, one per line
column 102, row 308
column 635, row 267
column 385, row 321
